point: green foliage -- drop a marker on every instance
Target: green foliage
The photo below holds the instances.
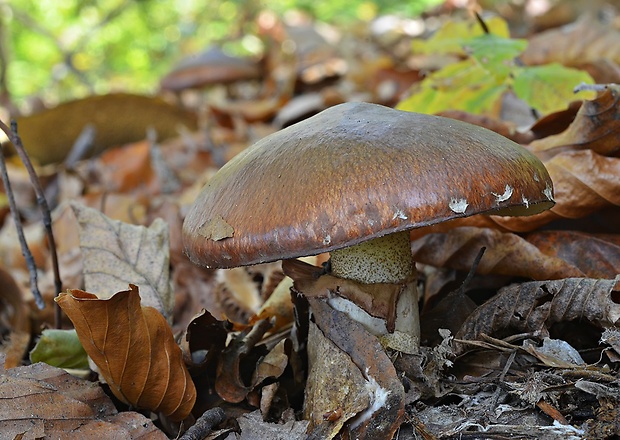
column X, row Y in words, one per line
column 69, row 49
column 60, row 348
column 477, row 83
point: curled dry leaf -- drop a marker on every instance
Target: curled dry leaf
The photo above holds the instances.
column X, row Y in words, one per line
column 129, row 169
column 235, row 359
column 41, row 401
column 116, row 253
column 583, row 164
column 506, row 254
column 536, row 306
column 134, row 349
column 596, row 127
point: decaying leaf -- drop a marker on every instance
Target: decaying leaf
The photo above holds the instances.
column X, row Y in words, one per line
column 229, row 382
column 129, row 168
column 238, row 294
column 382, row 391
column 116, row 254
column 134, row 349
column 506, row 254
column 536, row 306
column 117, row 119
column 341, row 391
column 596, row 255
column 41, row 401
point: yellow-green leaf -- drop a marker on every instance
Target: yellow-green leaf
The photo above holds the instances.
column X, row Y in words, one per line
column 461, row 86
column 60, row 348
column 549, row 88
column 451, row 37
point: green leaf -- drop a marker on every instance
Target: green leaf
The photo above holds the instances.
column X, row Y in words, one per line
column 549, row 88
column 60, row 348
column 461, row 86
column 495, row 54
column 451, row 37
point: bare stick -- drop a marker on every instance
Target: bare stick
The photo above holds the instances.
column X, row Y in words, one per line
column 30, row 264
column 205, row 424
column 45, row 211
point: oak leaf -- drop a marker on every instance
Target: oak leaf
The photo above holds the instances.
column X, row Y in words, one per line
column 134, row 349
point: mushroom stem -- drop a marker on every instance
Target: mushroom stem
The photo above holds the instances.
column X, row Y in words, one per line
column 385, row 259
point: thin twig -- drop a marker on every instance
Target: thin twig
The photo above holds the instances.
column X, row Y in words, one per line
column 30, row 264
column 205, row 424
column 45, row 211
column 472, row 271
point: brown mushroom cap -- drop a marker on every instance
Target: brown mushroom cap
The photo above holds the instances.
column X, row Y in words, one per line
column 354, row 172
column 212, row 66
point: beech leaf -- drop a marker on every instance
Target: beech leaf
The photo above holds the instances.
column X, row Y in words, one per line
column 116, row 254
column 134, row 349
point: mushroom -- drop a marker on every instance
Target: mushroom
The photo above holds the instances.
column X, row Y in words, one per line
column 352, row 181
column 210, row 67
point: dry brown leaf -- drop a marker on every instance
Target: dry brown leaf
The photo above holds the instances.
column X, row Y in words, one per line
column 40, row 401
column 341, row 391
column 129, row 168
column 576, row 44
column 278, row 306
column 536, row 306
column 14, row 321
column 236, row 358
column 117, row 119
column 506, row 254
column 116, row 254
column 596, row 255
column 272, row 364
column 134, row 349
column 596, row 127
